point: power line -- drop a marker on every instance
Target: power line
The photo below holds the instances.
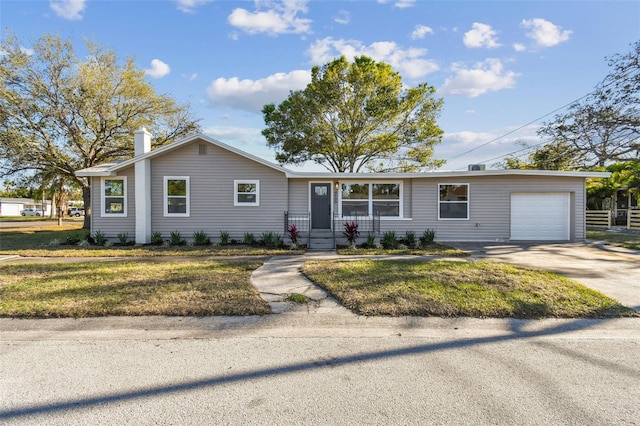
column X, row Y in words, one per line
column 598, row 88
column 517, row 129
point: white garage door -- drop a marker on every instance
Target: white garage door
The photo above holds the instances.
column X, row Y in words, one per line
column 540, row 216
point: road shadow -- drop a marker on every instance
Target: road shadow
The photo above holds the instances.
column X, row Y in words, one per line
column 516, row 332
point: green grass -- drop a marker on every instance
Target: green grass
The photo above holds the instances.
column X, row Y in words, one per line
column 34, row 241
column 194, row 288
column 627, row 240
column 457, row 288
column 298, row 298
column 433, row 249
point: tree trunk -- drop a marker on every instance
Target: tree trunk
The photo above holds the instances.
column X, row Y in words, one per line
column 86, row 197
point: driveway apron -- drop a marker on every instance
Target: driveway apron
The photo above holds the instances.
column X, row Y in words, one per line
column 611, row 270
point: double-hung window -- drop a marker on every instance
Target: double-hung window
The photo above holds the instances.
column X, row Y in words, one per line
column 114, row 197
column 453, row 202
column 371, row 199
column 246, row 192
column 176, row 196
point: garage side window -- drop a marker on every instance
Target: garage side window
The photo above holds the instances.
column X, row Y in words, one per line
column 176, row 196
column 453, row 203
column 114, row 197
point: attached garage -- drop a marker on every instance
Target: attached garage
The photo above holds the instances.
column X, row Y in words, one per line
column 541, row 216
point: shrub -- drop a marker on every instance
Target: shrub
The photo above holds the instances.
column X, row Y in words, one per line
column 351, row 233
column 200, row 238
column 54, row 242
column 389, row 240
column 371, row 240
column 224, row 238
column 249, row 238
column 428, row 236
column 294, row 234
column 99, row 238
column 176, row 239
column 123, row 238
column 410, row 239
column 83, row 243
column 267, row 238
column 74, row 238
column 156, row 238
column 277, row 240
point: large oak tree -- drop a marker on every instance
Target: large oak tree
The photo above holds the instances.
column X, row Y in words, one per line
column 356, row 116
column 60, row 112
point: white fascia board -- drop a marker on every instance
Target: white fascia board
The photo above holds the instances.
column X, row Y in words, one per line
column 191, row 138
column 442, row 174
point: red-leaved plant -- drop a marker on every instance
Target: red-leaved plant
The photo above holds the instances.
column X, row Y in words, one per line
column 351, row 232
column 294, row 234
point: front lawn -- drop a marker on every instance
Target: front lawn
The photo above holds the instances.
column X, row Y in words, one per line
column 432, row 249
column 47, row 241
column 622, row 239
column 457, row 288
column 193, row 288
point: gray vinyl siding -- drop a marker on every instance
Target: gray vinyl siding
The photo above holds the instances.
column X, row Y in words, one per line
column 299, row 196
column 212, row 193
column 112, row 226
column 489, row 206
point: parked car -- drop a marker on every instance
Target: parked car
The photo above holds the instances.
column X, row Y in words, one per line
column 31, row 212
column 75, row 211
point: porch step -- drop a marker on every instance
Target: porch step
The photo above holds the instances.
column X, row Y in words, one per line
column 321, row 240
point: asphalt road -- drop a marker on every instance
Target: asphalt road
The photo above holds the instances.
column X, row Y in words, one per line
column 310, row 369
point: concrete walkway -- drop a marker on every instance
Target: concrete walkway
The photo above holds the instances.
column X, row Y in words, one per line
column 281, row 276
column 610, row 270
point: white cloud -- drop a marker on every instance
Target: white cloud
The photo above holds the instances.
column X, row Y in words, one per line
column 481, row 35
column 545, row 33
column 403, row 4
column 252, row 95
column 410, row 62
column 519, row 47
column 272, row 18
column 420, row 31
column 343, row 17
column 486, row 76
column 68, row 9
column 158, row 69
column 400, row 4
column 486, row 147
column 189, row 6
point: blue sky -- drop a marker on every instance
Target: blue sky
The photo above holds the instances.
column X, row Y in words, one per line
column 498, row 65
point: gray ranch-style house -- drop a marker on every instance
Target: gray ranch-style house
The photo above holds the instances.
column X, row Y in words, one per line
column 200, row 184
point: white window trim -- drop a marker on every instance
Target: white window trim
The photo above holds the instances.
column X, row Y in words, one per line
column 103, row 213
column 445, row 202
column 370, row 199
column 165, row 198
column 236, row 193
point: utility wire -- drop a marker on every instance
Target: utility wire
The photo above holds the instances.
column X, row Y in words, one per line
column 517, row 129
column 601, row 87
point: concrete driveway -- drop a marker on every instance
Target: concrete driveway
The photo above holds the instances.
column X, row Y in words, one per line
column 613, row 271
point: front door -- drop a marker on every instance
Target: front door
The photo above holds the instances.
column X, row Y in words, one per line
column 320, row 206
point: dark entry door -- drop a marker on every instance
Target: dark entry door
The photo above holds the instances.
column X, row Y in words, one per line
column 320, row 206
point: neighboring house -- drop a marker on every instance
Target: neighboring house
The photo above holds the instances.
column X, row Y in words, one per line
column 13, row 206
column 200, row 184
